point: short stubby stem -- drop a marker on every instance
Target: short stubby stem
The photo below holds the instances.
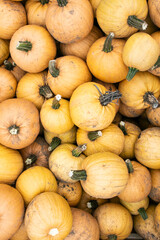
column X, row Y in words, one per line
column 107, row 47
column 14, row 129
column 62, row 3
column 78, row 175
column 46, row 92
column 156, row 65
column 151, row 100
column 78, row 150
column 112, row 237
column 94, row 135
column 92, row 204
column 24, row 46
column 52, row 68
column 8, row 65
column 55, row 103
column 30, row 160
column 131, row 73
column 43, row 2
column 135, row 22
column 122, row 127
column 129, row 165
column 56, row 141
column 143, row 213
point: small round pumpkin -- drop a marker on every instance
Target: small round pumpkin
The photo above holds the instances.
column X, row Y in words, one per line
column 129, row 112
column 154, row 10
column 21, row 234
column 4, row 50
column 155, row 189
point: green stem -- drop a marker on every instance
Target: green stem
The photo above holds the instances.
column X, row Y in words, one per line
column 14, row 130
column 92, row 204
column 30, row 160
column 122, row 127
column 156, row 65
column 143, row 213
column 94, row 135
column 151, row 100
column 62, row 3
column 8, row 65
column 56, row 141
column 135, row 22
column 78, row 150
column 52, row 68
column 24, row 46
column 129, row 165
column 78, row 175
column 45, row 91
column 55, row 103
column 107, row 47
column 112, row 237
column 43, row 2
column 131, row 73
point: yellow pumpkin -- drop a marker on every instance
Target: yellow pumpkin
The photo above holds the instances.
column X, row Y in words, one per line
column 21, row 234
column 4, row 50
column 155, row 189
column 155, row 70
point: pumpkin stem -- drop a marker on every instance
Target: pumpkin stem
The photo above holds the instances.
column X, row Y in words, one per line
column 52, row 68
column 56, row 141
column 30, row 160
column 24, row 46
column 135, row 22
column 107, row 47
column 78, row 150
column 53, row 232
column 8, row 65
column 14, row 130
column 156, row 65
column 43, row 2
column 143, row 213
column 108, row 96
column 92, row 204
column 45, row 91
column 151, row 100
column 122, row 127
column 78, row 175
column 131, row 73
column 55, row 103
column 94, row 135
column 129, row 165
column 62, row 3
column 112, row 237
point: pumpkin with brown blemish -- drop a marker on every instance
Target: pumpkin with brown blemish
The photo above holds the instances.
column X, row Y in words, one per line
column 155, row 189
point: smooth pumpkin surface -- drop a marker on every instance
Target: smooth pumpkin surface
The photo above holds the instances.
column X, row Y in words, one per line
column 21, row 234
column 11, row 211
column 4, row 50
column 154, row 11
column 113, row 219
column 129, row 111
column 48, row 217
column 94, row 4
column 19, row 123
column 155, row 189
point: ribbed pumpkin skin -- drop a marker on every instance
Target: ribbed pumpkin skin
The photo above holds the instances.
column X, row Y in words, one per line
column 153, row 116
column 155, row 189
column 133, row 207
column 21, row 234
column 156, row 36
column 48, row 211
column 4, row 50
column 154, row 11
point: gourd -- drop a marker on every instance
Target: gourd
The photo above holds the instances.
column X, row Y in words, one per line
column 155, row 188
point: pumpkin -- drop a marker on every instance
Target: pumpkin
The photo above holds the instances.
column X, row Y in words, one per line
column 4, row 50
column 36, row 154
column 100, row 173
column 20, row 234
column 137, row 207
column 153, row 116
column 80, row 48
column 131, row 133
column 141, row 92
column 11, row 209
column 13, row 17
column 146, row 228
column 92, row 107
column 54, row 140
column 139, row 183
column 75, row 17
column 11, row 164
column 34, row 45
column 55, row 115
column 48, row 215
column 19, row 123
column 85, row 226
column 123, row 19
column 129, row 112
column 104, row 59
column 115, row 221
column 33, row 87
column 156, row 68
column 65, row 158
column 157, row 218
column 154, row 11
column 109, row 139
column 95, row 4
column 72, row 192
column 140, row 53
column 43, row 179
column 108, row 86
column 155, row 189
column 147, row 148
column 69, row 72
column 8, row 84
column 36, row 11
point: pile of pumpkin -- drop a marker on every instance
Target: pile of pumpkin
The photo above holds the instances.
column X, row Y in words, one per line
column 79, row 119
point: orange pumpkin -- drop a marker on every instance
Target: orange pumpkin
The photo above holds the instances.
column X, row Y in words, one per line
column 95, row 4
column 155, row 189
column 4, row 50
column 154, row 10
column 153, row 116
column 21, row 234
column 157, row 218
column 129, row 111
column 156, row 68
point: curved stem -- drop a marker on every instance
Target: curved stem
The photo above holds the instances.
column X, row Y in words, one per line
column 78, row 150
column 52, row 68
column 92, row 204
column 45, row 91
column 94, row 135
column 129, row 165
column 107, row 47
column 8, row 65
column 62, row 3
column 122, row 127
column 131, row 73
column 24, row 46
column 14, row 130
column 43, row 2
column 56, row 141
column 78, row 175
column 112, row 237
column 151, row 100
column 135, row 22
column 143, row 213
column 156, row 65
column 55, row 103
column 30, row 160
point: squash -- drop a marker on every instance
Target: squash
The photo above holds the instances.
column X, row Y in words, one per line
column 21, row 234
column 12, row 211
column 33, row 87
column 140, row 53
column 154, row 11
column 139, row 183
column 11, row 165
column 66, row 74
column 92, row 107
column 100, row 174
column 8, row 84
column 48, row 215
column 19, row 123
column 13, row 16
column 36, row 154
column 55, row 115
column 153, row 115
column 31, row 48
column 104, row 59
column 69, row 21
column 85, row 226
column 157, row 218
column 155, row 189
column 94, row 4
column 147, row 148
column 43, row 179
column 109, row 139
column 129, row 112
column 72, row 192
column 115, row 221
column 4, row 50
column 141, row 92
column 54, row 140
column 80, row 48
column 131, row 133
column 155, row 70
column 65, row 158
column 123, row 19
